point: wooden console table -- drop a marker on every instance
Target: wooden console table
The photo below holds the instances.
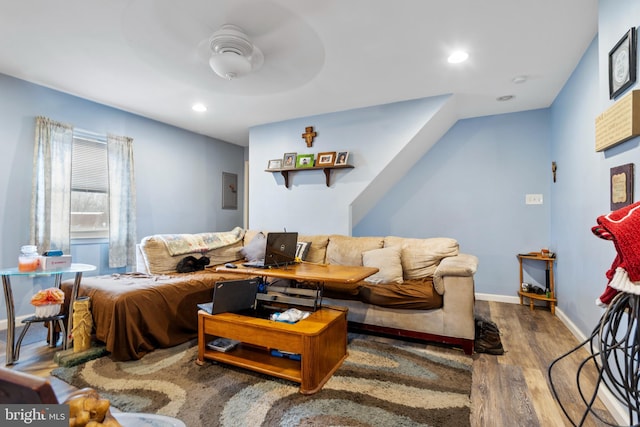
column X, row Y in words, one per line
column 320, row 340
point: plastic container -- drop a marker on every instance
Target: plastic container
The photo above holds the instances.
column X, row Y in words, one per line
column 47, row 310
column 29, row 260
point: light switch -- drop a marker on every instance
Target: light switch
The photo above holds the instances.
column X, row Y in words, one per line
column 533, row 199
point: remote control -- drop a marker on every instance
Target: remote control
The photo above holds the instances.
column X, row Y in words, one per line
column 229, row 265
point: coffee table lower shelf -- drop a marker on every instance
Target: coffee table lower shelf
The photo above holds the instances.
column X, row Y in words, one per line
column 259, row 360
column 320, row 340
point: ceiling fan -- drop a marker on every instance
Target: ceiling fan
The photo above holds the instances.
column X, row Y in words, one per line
column 257, row 47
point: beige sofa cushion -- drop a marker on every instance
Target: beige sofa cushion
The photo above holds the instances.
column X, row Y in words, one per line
column 345, row 250
column 387, row 261
column 249, row 235
column 318, row 247
column 420, row 257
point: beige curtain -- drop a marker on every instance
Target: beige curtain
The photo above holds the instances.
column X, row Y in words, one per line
column 122, row 202
column 51, row 195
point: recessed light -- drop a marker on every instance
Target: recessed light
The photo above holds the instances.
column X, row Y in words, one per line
column 458, row 57
column 200, row 108
column 505, row 98
column 519, row 79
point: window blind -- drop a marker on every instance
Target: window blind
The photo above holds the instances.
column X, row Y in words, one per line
column 89, row 166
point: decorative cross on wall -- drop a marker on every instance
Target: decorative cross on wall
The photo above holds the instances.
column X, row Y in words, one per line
column 308, row 135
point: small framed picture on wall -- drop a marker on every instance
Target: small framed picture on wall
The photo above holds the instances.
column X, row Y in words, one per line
column 622, row 64
column 327, row 158
column 621, row 184
column 289, row 160
column 275, row 164
column 304, row 161
column 229, row 190
column 343, row 157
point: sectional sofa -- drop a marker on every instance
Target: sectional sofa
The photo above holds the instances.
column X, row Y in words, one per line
column 424, row 288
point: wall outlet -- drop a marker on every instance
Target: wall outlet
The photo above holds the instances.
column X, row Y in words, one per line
column 533, row 199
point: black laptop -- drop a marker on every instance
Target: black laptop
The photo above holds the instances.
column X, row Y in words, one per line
column 233, row 296
column 280, row 251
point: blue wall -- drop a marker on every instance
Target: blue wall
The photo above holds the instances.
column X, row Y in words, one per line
column 471, row 186
column 582, row 192
column 579, row 196
column 178, row 173
column 373, row 136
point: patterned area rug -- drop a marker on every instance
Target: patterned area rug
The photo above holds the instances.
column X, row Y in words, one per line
column 382, row 383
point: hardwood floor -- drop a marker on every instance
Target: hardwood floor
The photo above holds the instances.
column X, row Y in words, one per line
column 513, row 389
column 508, row 390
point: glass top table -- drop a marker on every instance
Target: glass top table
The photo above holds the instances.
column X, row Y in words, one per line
column 13, row 350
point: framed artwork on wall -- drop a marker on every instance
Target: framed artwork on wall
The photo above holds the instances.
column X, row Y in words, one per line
column 275, row 164
column 289, row 160
column 621, row 184
column 342, row 158
column 304, row 161
column 622, row 64
column 326, row 159
column 229, row 190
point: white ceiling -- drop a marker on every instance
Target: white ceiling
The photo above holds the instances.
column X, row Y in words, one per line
column 148, row 56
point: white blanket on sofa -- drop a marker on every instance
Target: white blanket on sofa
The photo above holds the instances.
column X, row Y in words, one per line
column 180, row 244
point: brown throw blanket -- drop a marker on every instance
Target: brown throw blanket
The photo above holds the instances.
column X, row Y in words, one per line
column 135, row 314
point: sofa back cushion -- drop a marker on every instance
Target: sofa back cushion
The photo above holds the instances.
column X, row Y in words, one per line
column 345, row 250
column 317, row 248
column 387, row 261
column 420, row 257
column 255, row 249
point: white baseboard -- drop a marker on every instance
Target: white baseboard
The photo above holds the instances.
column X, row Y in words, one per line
column 617, row 409
column 498, row 298
column 4, row 323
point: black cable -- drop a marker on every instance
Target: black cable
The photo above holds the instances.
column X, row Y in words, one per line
column 615, row 353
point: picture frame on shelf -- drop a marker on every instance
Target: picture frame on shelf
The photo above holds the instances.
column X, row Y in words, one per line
column 275, row 164
column 342, row 158
column 621, row 184
column 327, row 158
column 622, row 64
column 304, row 161
column 289, row 161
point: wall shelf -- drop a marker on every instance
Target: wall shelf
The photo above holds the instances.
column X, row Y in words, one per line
column 326, row 169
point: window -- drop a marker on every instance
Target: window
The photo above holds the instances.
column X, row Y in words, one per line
column 89, row 187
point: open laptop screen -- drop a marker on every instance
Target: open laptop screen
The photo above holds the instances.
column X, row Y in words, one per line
column 232, row 296
column 280, row 249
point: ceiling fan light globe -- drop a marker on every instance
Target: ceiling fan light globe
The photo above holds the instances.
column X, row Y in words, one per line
column 230, row 65
column 232, row 53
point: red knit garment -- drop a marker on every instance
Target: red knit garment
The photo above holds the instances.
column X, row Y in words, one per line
column 623, row 228
column 624, row 225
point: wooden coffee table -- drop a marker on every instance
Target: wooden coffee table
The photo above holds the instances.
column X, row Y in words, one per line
column 307, row 271
column 320, row 340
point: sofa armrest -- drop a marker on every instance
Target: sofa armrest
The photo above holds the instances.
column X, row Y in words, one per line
column 454, row 277
column 461, row 265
